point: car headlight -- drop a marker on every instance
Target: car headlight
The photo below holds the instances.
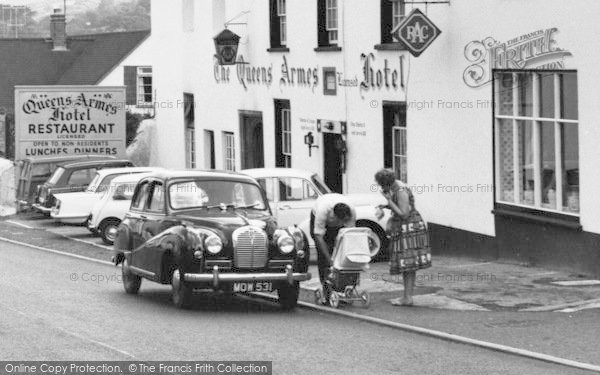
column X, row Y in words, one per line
column 213, row 244
column 285, row 244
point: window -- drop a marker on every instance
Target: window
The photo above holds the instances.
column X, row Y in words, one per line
column 209, row 149
column 188, row 15
column 283, row 134
column 394, row 138
column 268, row 186
column 157, row 199
column 295, row 189
column 144, row 86
column 140, row 197
column 332, row 21
column 537, row 149
column 229, row 151
column 278, row 25
column 81, row 177
column 392, row 13
column 138, row 80
column 328, row 25
column 190, row 130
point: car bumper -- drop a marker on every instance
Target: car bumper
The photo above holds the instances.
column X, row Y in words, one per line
column 39, row 208
column 70, row 219
column 216, row 277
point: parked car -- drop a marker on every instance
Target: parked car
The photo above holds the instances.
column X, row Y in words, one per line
column 75, row 208
column 208, row 230
column 71, row 177
column 292, row 194
column 110, row 209
column 34, row 172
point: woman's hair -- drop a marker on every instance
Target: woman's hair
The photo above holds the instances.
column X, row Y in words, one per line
column 385, row 177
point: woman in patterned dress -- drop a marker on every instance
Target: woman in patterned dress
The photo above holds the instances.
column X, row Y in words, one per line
column 403, row 257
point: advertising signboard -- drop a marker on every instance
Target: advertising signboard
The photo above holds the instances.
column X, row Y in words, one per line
column 69, row 120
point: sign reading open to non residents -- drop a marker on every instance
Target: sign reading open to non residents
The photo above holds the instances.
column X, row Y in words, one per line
column 69, row 120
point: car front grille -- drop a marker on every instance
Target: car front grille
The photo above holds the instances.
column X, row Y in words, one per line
column 250, row 248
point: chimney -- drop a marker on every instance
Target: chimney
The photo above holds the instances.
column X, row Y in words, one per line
column 58, row 30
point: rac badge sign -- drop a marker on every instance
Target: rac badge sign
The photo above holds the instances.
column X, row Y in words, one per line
column 417, row 32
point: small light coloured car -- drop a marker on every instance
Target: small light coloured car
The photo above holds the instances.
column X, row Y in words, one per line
column 292, row 194
column 74, row 208
column 113, row 204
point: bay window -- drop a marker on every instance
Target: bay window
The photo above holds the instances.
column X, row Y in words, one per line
column 536, row 132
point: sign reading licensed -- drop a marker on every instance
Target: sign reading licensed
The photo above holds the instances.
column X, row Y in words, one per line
column 69, row 120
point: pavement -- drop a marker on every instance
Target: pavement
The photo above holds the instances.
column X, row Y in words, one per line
column 533, row 308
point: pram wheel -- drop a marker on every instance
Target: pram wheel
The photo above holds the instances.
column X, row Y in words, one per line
column 334, row 300
column 366, row 299
column 349, row 295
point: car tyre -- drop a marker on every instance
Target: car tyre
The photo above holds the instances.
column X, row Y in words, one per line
column 288, row 295
column 131, row 282
column 108, row 230
column 181, row 291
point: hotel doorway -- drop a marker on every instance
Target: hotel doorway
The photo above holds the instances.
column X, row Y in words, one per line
column 251, row 139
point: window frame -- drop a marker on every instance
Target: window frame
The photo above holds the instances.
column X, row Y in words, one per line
column 332, row 7
column 140, row 85
column 228, row 151
column 387, row 17
column 402, row 154
column 286, row 136
column 515, row 119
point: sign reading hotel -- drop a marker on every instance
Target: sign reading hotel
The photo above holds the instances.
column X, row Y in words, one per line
column 535, row 50
column 69, row 120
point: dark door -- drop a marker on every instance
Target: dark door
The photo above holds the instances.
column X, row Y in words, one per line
column 333, row 161
column 150, row 251
column 251, row 131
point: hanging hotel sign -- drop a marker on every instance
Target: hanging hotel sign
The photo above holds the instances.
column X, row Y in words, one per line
column 69, row 120
column 417, row 32
column 536, row 50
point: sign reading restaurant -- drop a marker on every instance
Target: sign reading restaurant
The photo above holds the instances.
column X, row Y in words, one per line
column 69, row 120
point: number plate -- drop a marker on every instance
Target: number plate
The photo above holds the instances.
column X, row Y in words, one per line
column 259, row 286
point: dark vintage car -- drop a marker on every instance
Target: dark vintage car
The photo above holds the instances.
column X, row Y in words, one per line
column 34, row 172
column 208, row 230
column 71, row 177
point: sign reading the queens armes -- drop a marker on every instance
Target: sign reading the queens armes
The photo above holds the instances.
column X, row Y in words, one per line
column 69, row 120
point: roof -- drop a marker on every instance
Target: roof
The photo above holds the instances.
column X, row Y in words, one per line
column 279, row 172
column 91, row 163
column 130, row 178
column 181, row 174
column 87, row 61
column 66, row 159
column 125, row 170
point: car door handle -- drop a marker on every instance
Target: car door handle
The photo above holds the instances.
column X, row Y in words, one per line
column 286, row 207
column 143, row 217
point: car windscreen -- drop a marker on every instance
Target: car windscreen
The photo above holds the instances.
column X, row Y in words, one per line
column 215, row 193
column 99, row 184
column 323, row 188
column 56, row 175
column 121, row 191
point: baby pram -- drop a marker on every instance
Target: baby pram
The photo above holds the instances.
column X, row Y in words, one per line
column 354, row 248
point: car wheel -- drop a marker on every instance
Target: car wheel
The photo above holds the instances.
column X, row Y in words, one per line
column 181, row 291
column 131, row 282
column 288, row 295
column 108, row 230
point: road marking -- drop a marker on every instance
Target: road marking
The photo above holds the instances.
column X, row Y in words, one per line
column 70, row 333
column 387, row 323
column 56, row 251
column 469, row 265
column 447, row 336
column 19, row 224
column 561, row 306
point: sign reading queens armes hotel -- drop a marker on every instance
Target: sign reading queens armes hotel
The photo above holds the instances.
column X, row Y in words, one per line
column 69, row 120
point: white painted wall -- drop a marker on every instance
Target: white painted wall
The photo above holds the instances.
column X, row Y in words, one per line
column 449, row 148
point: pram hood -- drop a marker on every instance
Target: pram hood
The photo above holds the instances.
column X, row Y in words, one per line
column 352, row 250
